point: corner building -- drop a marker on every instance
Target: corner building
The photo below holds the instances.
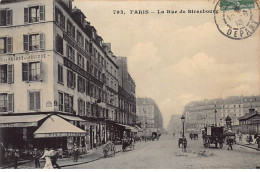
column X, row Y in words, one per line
column 52, row 61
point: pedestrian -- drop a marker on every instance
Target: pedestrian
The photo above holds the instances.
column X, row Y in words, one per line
column 250, row 139
column 16, row 156
column 36, row 156
column 103, row 141
column 2, row 153
column 255, row 137
column 76, row 153
column 54, row 158
column 230, row 142
column 258, row 141
column 184, row 143
column 47, row 155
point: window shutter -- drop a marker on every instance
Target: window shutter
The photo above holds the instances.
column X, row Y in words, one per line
column 9, row 45
column 26, row 42
column 63, row 21
column 25, row 71
column 42, row 12
column 67, row 50
column 78, row 106
column 37, row 100
column 9, row 17
column 73, row 31
column 41, row 71
column 90, row 48
column 74, row 80
column 42, row 41
column 73, row 55
column 68, row 78
column 78, row 84
column 26, row 15
column 10, row 102
column 31, row 101
column 10, row 74
column 84, row 85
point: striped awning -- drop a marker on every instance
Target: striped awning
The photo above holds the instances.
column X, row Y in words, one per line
column 56, row 126
column 21, row 120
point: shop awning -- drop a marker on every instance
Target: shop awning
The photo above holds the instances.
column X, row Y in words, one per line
column 139, row 129
column 55, row 126
column 127, row 127
column 133, row 129
column 21, row 120
column 72, row 118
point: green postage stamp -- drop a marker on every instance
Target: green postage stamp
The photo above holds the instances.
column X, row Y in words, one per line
column 236, row 4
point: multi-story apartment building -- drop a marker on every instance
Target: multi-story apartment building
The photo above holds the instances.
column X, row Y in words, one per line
column 52, row 61
column 202, row 113
column 126, row 93
column 149, row 115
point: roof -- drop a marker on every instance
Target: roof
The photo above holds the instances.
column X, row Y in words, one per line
column 55, row 126
column 248, row 115
column 71, row 118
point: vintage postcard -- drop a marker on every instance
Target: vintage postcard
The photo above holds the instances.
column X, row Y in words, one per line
column 129, row 84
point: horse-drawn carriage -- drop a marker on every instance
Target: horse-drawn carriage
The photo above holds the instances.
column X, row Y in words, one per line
column 213, row 135
column 128, row 143
column 155, row 136
column 109, row 149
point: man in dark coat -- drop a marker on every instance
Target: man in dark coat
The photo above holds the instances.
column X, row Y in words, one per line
column 36, row 156
column 230, row 142
column 54, row 158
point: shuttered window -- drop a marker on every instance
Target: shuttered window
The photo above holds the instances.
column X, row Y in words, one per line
column 71, row 79
column 6, row 17
column 6, row 45
column 59, row 18
column 59, row 44
column 60, row 73
column 34, row 14
column 32, row 71
column 34, row 100
column 6, row 102
column 6, row 74
column 70, row 53
column 61, row 101
column 34, row 42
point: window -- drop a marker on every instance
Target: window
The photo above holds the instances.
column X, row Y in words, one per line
column 59, row 18
column 34, row 14
column 6, row 45
column 6, row 73
column 81, row 107
column 87, row 88
column 33, row 42
column 81, row 84
column 6, row 17
column 71, row 79
column 70, row 29
column 80, row 60
column 6, row 102
column 80, row 38
column 88, row 66
column 70, row 53
column 34, row 100
column 31, row 71
column 61, row 101
column 59, row 44
column 60, row 73
column 86, row 45
column 88, row 109
column 68, row 103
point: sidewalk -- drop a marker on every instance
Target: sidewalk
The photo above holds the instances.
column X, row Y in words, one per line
column 253, row 144
column 94, row 155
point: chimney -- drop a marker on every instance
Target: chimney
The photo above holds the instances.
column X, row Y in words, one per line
column 251, row 110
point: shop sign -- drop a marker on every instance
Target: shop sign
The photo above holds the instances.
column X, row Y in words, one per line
column 23, row 124
column 46, row 135
column 21, row 57
column 48, row 104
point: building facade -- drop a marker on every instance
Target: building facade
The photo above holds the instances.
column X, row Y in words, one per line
column 210, row 112
column 149, row 115
column 52, row 61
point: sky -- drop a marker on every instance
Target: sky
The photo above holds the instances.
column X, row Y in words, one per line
column 176, row 58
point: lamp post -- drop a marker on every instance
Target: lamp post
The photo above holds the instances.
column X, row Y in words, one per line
column 182, row 120
column 215, row 111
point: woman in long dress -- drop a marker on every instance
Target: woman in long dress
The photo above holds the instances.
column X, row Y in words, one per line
column 47, row 155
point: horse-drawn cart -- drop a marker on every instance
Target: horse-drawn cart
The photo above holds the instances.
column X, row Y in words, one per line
column 128, row 143
column 213, row 135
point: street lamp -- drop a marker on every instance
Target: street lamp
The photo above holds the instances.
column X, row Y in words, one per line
column 182, row 120
column 215, row 116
